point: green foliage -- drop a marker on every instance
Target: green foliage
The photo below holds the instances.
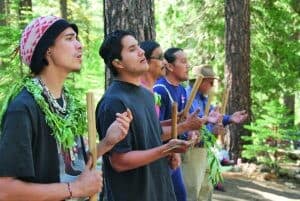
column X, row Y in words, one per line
column 215, row 172
column 86, row 14
column 270, row 132
column 275, row 55
column 195, row 26
column 10, row 65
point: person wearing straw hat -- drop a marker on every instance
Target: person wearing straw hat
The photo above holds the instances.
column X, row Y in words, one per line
column 42, row 153
column 136, row 168
column 194, row 165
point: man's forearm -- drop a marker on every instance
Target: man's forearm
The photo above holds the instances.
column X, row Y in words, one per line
column 103, row 147
column 181, row 128
column 134, row 159
column 15, row 190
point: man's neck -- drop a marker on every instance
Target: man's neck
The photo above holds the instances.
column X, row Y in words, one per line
column 53, row 80
column 136, row 80
column 148, row 80
column 172, row 80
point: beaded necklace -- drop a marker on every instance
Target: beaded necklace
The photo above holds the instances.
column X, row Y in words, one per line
column 55, row 106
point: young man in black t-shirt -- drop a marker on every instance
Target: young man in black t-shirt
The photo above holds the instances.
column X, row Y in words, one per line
column 42, row 154
column 136, row 168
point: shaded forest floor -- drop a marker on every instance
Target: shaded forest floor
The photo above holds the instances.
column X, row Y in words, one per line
column 240, row 188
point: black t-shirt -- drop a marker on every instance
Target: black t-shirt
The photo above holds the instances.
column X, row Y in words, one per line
column 28, row 151
column 151, row 182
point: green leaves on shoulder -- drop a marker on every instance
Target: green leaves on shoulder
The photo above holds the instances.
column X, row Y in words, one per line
column 157, row 99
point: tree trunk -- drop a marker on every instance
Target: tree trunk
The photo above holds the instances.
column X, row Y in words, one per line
column 63, row 9
column 134, row 15
column 289, row 102
column 237, row 68
column 24, row 10
column 2, row 13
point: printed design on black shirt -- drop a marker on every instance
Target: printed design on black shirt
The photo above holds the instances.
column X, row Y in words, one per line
column 71, row 162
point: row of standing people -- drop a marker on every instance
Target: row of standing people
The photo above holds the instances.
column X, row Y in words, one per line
column 43, row 156
column 165, row 76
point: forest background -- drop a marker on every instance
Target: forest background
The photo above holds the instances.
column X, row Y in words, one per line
column 199, row 27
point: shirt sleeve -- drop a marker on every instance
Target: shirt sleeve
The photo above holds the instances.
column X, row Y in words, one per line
column 16, row 159
column 105, row 116
column 226, row 119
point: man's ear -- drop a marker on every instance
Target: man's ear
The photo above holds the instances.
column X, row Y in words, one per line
column 117, row 63
column 170, row 67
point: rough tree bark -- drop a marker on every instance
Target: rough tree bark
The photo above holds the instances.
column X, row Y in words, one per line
column 63, row 9
column 237, row 68
column 2, row 13
column 24, row 10
column 134, row 15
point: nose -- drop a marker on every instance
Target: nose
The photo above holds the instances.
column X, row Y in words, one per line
column 78, row 45
column 188, row 66
column 141, row 52
column 165, row 63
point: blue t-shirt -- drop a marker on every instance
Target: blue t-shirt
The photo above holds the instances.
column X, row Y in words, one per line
column 169, row 93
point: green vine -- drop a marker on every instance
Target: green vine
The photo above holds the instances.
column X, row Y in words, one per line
column 65, row 129
column 215, row 174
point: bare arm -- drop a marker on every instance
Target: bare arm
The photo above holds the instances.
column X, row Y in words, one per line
column 16, row 190
column 87, row 184
column 181, row 128
column 134, row 159
column 116, row 132
column 165, row 122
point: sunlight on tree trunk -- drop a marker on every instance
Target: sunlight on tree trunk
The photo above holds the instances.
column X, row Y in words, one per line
column 237, row 68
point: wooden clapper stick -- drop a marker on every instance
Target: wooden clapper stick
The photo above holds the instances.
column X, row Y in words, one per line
column 174, row 132
column 92, row 132
column 207, row 106
column 223, row 109
column 224, row 100
column 173, row 125
column 209, row 100
column 191, row 97
column 174, row 120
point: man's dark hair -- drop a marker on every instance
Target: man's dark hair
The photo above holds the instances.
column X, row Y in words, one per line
column 111, row 48
column 170, row 54
column 149, row 46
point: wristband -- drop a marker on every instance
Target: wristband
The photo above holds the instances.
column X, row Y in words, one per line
column 70, row 191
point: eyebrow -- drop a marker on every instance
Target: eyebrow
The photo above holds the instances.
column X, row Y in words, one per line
column 134, row 45
column 70, row 34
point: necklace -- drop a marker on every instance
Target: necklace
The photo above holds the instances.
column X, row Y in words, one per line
column 55, row 106
column 65, row 128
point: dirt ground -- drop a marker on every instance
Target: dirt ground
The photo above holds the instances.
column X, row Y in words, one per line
column 240, row 188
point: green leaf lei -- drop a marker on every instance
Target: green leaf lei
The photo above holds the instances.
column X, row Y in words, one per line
column 65, row 129
column 215, row 172
column 157, row 99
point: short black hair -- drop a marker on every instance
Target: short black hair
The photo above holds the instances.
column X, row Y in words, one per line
column 170, row 54
column 111, row 48
column 149, row 46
